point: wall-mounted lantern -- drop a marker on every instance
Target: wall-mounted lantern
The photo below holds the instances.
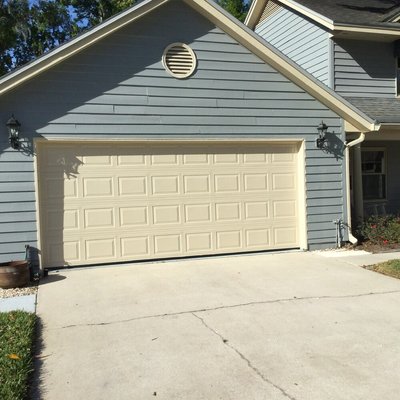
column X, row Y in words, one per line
column 13, row 127
column 321, row 139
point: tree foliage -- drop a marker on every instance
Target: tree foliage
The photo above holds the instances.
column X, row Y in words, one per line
column 92, row 12
column 29, row 28
column 238, row 8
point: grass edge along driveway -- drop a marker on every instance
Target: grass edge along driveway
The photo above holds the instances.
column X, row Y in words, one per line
column 17, row 335
column 390, row 268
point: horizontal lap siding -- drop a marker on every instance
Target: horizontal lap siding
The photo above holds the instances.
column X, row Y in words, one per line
column 17, row 203
column 364, row 68
column 302, row 41
column 118, row 88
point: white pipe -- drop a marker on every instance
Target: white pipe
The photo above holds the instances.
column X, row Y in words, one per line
column 360, row 139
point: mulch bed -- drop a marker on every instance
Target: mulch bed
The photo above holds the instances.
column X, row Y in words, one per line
column 379, row 248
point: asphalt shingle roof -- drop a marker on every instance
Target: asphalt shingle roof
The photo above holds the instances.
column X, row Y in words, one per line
column 357, row 12
column 382, row 109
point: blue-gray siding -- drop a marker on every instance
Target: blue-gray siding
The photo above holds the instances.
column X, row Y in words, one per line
column 301, row 40
column 364, row 68
column 119, row 88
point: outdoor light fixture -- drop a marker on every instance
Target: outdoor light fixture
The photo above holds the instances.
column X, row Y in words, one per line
column 321, row 139
column 13, row 132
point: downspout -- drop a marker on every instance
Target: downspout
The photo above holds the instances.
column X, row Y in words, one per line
column 360, row 139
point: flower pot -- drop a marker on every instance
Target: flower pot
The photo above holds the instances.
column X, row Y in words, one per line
column 14, row 274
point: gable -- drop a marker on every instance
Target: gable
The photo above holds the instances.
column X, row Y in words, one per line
column 119, row 87
column 220, row 18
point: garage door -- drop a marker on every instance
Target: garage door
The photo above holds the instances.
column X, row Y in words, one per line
column 103, row 203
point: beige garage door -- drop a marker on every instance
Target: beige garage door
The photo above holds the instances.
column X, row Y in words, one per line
column 103, row 203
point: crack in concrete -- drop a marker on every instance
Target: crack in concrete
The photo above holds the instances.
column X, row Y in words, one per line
column 251, row 303
column 244, row 358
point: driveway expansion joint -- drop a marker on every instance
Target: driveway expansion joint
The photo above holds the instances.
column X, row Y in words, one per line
column 244, row 358
column 252, row 303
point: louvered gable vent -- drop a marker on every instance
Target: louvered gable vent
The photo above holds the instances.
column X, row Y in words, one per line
column 179, row 60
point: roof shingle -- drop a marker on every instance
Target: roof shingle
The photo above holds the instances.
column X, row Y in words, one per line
column 357, row 12
column 382, row 109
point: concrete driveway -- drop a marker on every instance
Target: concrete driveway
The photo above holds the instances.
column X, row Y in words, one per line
column 272, row 326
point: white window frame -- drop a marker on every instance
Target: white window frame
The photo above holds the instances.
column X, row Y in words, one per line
column 383, row 173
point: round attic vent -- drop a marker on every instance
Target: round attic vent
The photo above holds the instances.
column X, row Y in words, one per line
column 179, row 60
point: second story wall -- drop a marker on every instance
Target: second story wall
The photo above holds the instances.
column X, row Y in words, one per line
column 301, row 40
column 364, row 68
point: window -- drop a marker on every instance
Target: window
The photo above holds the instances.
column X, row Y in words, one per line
column 373, row 164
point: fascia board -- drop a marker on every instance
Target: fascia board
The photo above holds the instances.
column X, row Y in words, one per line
column 365, row 29
column 254, row 14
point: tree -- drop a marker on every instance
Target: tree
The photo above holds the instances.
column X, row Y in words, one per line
column 92, row 12
column 29, row 29
column 238, row 8
column 13, row 27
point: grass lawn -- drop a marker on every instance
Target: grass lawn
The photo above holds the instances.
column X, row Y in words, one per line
column 17, row 329
column 391, row 268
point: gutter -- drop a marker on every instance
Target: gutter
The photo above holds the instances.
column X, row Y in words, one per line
column 360, row 139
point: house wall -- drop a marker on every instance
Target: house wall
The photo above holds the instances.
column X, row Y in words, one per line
column 118, row 88
column 304, row 42
column 392, row 148
column 364, row 68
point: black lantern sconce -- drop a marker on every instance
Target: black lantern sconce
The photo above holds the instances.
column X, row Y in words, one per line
column 321, row 139
column 13, row 127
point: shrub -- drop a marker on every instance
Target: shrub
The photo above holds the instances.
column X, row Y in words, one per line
column 382, row 230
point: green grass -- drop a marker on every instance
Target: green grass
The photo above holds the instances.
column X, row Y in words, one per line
column 391, row 268
column 17, row 330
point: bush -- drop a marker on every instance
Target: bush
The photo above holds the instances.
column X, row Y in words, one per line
column 381, row 230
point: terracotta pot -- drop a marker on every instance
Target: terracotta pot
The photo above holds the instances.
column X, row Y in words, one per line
column 14, row 274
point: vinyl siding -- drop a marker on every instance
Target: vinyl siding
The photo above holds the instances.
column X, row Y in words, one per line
column 301, row 40
column 364, row 68
column 118, row 88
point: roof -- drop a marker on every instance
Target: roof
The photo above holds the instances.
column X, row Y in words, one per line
column 221, row 18
column 383, row 109
column 362, row 16
column 360, row 12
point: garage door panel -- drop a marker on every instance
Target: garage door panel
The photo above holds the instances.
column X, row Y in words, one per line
column 196, row 184
column 133, row 216
column 258, row 238
column 229, row 240
column 127, row 202
column 132, row 186
column 98, row 187
column 199, row 242
column 135, row 247
column 100, row 249
column 284, row 209
column 285, row 236
column 99, row 218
